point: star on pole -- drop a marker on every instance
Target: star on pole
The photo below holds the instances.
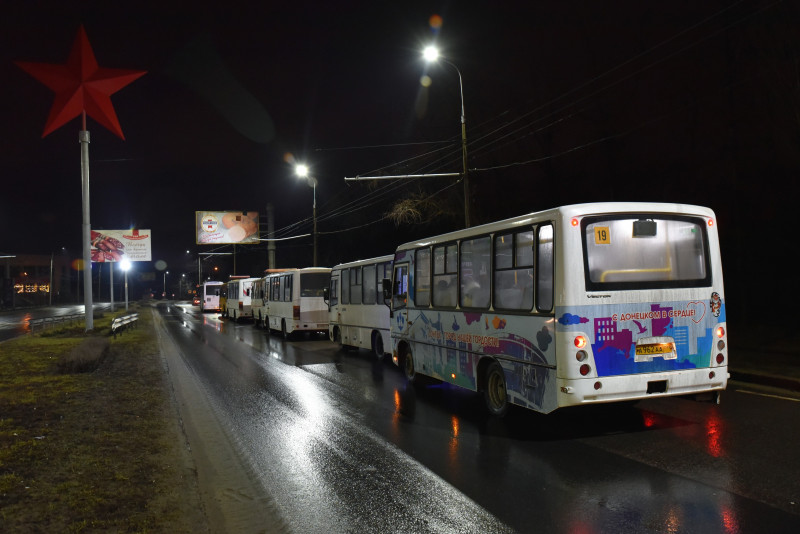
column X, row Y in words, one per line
column 81, row 86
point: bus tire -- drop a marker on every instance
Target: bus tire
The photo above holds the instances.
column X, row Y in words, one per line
column 377, row 345
column 337, row 337
column 494, row 392
column 408, row 367
column 284, row 333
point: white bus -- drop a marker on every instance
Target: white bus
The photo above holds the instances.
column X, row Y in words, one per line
column 238, row 304
column 296, row 301
column 259, row 297
column 359, row 315
column 576, row 305
column 209, row 296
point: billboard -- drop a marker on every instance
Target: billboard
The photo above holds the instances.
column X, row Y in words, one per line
column 226, row 227
column 118, row 245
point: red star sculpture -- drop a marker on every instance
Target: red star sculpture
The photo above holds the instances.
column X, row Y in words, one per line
column 81, row 86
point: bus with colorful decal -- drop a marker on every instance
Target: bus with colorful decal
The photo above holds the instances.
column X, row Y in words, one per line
column 577, row 305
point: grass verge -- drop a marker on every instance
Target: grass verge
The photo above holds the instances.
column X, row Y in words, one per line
column 88, row 441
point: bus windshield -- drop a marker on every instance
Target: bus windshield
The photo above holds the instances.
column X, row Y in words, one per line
column 314, row 284
column 645, row 252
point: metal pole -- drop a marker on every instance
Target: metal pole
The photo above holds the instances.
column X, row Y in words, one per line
column 126, row 290
column 271, row 235
column 50, row 292
column 314, row 215
column 463, row 147
column 111, row 283
column 87, row 232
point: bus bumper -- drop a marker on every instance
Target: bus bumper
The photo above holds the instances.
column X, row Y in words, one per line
column 637, row 387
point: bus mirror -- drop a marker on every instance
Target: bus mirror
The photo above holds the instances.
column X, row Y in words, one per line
column 326, row 294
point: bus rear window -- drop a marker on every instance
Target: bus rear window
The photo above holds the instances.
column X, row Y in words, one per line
column 645, row 252
column 314, row 284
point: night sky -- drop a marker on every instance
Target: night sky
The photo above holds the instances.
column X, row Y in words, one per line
column 566, row 102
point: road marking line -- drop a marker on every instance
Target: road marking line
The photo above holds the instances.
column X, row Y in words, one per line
column 767, row 395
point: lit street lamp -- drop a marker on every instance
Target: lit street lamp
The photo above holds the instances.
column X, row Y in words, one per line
column 302, row 172
column 431, row 54
column 126, row 266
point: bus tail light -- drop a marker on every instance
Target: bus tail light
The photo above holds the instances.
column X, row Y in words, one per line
column 720, row 331
column 581, row 355
column 296, row 313
column 585, row 369
column 720, row 358
column 580, row 341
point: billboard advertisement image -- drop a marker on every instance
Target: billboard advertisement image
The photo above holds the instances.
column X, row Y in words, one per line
column 118, row 245
column 226, row 227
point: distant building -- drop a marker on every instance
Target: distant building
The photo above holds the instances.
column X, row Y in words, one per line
column 34, row 280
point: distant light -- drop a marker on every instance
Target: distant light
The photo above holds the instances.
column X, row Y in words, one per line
column 125, row 264
column 301, row 170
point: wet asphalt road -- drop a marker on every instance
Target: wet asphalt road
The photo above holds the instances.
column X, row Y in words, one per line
column 342, row 445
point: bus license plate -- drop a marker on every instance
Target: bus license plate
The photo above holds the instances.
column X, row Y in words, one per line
column 645, row 353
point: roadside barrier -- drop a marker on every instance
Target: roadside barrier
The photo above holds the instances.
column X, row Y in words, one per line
column 52, row 321
column 123, row 323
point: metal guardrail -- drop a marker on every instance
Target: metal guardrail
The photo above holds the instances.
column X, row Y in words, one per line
column 123, row 323
column 45, row 322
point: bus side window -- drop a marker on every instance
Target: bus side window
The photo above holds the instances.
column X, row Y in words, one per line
column 334, row 294
column 400, row 287
column 544, row 269
column 355, row 285
column 476, row 278
column 345, row 282
column 445, row 275
column 513, row 277
column 422, row 277
column 370, row 284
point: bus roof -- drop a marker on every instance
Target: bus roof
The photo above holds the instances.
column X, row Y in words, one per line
column 356, row 263
column 565, row 212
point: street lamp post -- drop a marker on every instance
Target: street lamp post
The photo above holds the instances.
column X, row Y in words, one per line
column 126, row 266
column 431, row 54
column 165, row 284
column 302, row 172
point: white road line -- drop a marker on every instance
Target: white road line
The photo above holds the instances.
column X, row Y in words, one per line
column 767, row 395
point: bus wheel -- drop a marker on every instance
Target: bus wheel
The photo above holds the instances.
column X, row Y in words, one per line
column 494, row 392
column 377, row 345
column 337, row 338
column 284, row 332
column 408, row 367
